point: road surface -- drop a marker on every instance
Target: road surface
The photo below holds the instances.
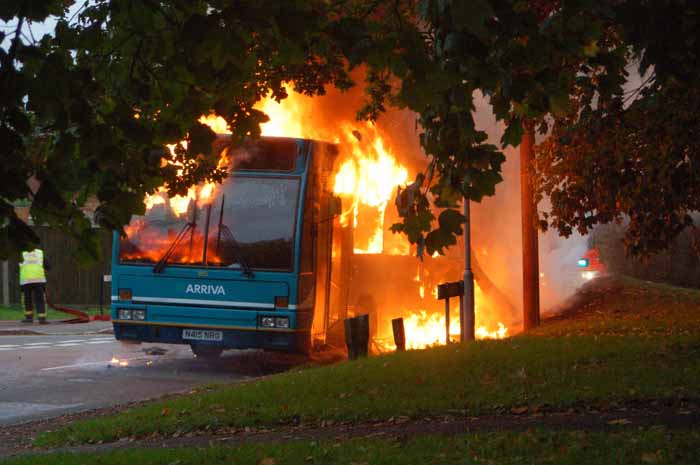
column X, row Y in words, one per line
column 48, row 375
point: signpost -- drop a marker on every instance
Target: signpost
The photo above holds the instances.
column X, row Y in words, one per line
column 445, row 291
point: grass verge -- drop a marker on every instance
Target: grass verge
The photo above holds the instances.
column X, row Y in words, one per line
column 469, row 379
column 648, row 446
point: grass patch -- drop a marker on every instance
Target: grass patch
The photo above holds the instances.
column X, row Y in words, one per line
column 16, row 312
column 651, row 446
column 469, row 379
column 627, row 306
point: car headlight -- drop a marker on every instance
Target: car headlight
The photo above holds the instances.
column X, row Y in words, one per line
column 267, row 322
column 124, row 314
column 588, row 275
column 282, row 322
column 138, row 314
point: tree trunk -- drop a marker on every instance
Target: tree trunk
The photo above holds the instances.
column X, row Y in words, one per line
column 531, row 272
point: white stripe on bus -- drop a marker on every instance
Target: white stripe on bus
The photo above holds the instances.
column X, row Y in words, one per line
column 221, row 303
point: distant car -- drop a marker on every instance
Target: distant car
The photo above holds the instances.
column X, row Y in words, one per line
column 591, row 266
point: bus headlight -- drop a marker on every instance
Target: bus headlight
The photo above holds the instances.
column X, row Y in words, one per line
column 124, row 314
column 267, row 322
column 282, row 322
column 138, row 314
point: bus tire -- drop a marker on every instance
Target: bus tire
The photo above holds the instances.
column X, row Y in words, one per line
column 206, row 352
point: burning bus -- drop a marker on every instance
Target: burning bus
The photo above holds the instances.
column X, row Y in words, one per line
column 245, row 264
column 293, row 241
column 269, row 259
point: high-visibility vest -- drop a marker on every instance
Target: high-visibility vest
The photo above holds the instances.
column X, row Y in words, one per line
column 31, row 270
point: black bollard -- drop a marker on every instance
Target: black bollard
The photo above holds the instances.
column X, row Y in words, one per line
column 399, row 334
column 357, row 336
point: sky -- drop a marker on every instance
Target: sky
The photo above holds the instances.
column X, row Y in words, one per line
column 34, row 30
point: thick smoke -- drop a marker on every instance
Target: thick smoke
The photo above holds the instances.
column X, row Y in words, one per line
column 498, row 231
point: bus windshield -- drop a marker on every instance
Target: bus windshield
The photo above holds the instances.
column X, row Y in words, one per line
column 247, row 221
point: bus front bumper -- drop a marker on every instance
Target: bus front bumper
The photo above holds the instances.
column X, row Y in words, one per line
column 231, row 338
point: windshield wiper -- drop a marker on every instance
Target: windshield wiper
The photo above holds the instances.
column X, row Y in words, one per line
column 188, row 228
column 229, row 237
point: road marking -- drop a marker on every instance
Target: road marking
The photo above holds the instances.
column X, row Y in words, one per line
column 48, row 345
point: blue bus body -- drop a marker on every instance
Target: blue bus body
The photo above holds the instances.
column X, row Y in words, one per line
column 215, row 307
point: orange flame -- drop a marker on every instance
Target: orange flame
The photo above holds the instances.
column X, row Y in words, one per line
column 368, row 180
column 178, row 206
column 425, row 329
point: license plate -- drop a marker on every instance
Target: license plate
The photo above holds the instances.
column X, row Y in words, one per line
column 202, row 335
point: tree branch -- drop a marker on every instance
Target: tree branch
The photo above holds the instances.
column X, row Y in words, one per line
column 15, row 41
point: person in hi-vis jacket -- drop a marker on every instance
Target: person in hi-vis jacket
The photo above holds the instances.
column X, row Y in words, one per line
column 32, row 281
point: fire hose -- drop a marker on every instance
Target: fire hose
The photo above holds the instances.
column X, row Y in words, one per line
column 81, row 316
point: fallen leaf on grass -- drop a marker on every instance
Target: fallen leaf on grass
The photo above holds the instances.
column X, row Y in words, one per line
column 267, row 461
column 620, row 421
column 518, row 410
column 650, row 457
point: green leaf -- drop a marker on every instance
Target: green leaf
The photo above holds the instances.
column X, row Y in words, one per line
column 451, row 221
column 471, row 16
column 559, row 103
column 513, row 134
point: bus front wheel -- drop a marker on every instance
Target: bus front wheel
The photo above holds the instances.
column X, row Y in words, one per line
column 206, row 352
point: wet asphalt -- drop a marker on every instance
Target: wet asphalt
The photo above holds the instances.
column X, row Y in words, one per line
column 48, row 375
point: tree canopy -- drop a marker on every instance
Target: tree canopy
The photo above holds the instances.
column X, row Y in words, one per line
column 631, row 156
column 85, row 110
